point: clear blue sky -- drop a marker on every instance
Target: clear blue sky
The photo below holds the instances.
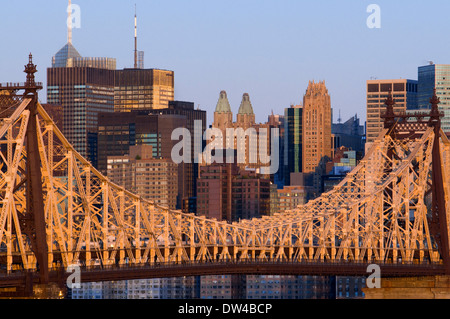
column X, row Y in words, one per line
column 269, row 49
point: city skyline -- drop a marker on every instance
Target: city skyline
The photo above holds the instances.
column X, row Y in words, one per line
column 267, row 49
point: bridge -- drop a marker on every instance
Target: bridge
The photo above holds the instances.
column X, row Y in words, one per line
column 57, row 210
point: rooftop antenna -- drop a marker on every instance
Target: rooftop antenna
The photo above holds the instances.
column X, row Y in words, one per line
column 69, row 23
column 339, row 119
column 135, row 39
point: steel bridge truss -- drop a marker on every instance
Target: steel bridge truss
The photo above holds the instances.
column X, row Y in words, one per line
column 379, row 213
column 57, row 210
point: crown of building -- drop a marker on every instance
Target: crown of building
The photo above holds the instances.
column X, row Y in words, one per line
column 316, row 88
column 223, row 105
column 246, row 105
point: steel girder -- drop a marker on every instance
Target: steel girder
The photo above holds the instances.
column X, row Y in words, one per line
column 378, row 213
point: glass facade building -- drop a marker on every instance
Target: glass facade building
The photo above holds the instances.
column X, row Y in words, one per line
column 62, row 57
column 293, row 141
column 83, row 87
column 82, row 92
column 435, row 76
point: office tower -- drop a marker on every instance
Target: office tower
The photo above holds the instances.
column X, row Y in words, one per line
column 141, row 89
column 317, row 143
column 404, row 92
column 155, row 179
column 193, row 116
column 82, row 92
column 293, row 142
column 83, row 87
column 435, row 76
column 117, row 132
column 226, row 192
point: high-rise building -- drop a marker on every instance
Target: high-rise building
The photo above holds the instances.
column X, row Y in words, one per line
column 193, row 116
column 82, row 92
column 117, row 132
column 435, row 76
column 83, row 87
column 293, row 141
column 141, row 89
column 404, row 92
column 155, row 179
column 317, row 143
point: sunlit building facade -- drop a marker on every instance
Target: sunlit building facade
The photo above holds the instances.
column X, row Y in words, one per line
column 82, row 92
column 404, row 93
column 140, row 89
column 435, row 76
column 317, row 140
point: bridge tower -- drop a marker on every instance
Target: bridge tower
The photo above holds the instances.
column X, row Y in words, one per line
column 33, row 223
column 438, row 220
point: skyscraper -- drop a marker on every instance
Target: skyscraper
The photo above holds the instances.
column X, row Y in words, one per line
column 82, row 92
column 435, row 76
column 293, row 135
column 404, row 93
column 82, row 87
column 317, row 143
column 117, row 132
column 140, row 89
column 186, row 109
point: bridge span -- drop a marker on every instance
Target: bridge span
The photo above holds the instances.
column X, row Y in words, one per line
column 57, row 210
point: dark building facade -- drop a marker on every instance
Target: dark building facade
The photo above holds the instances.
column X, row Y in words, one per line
column 293, row 141
column 192, row 115
column 118, row 131
column 82, row 92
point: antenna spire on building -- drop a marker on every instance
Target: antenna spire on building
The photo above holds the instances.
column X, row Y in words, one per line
column 135, row 39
